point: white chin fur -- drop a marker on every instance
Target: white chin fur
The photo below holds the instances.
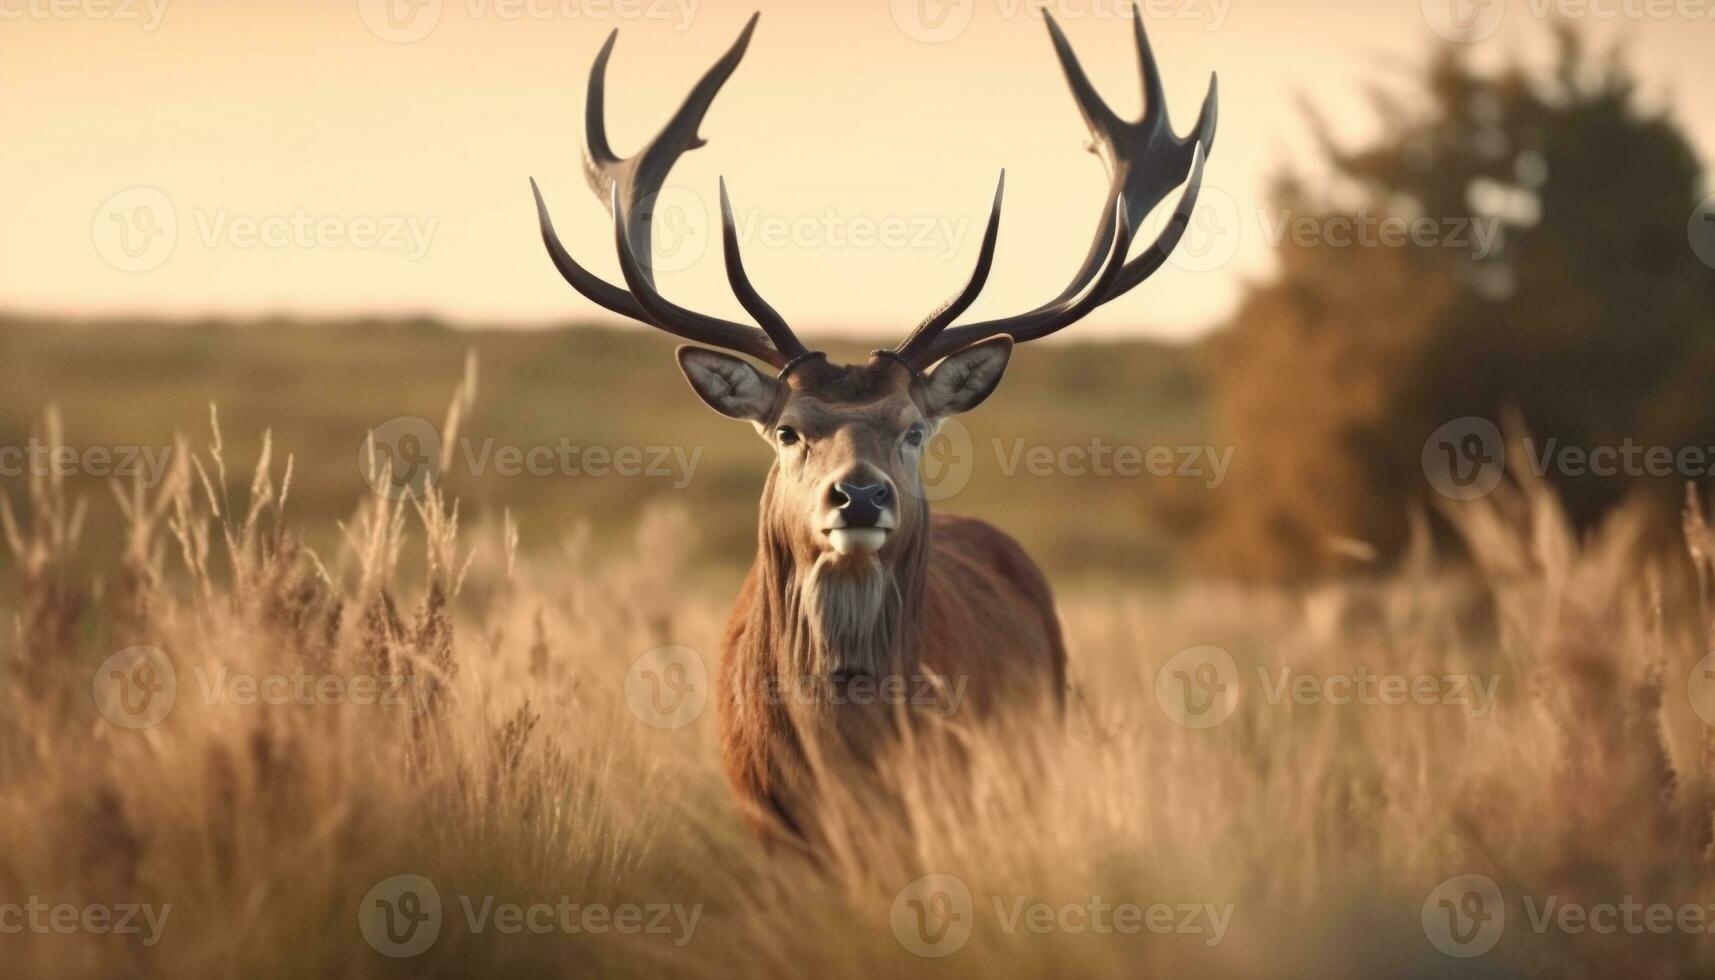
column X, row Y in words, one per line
column 857, row 540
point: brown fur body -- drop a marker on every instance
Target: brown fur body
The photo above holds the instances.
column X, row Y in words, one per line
column 986, row 616
column 838, row 645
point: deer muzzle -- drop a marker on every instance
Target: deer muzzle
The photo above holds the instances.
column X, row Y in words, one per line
column 861, row 515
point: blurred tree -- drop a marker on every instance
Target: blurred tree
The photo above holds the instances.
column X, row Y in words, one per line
column 1590, row 313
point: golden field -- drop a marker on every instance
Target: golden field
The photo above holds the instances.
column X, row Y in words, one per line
column 1309, row 826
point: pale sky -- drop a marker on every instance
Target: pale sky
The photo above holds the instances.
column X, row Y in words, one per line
column 318, row 158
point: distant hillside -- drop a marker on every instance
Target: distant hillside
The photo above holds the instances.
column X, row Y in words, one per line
column 321, row 387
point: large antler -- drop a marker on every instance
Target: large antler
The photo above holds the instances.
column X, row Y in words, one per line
column 1145, row 161
column 629, row 186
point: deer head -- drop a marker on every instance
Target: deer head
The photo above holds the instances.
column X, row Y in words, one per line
column 845, row 491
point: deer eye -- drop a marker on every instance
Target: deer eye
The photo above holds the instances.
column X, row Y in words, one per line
column 914, row 436
column 787, row 435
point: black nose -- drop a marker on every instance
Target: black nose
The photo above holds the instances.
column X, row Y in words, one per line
column 860, row 506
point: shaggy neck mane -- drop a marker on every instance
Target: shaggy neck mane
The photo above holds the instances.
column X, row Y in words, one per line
column 819, row 614
column 810, row 618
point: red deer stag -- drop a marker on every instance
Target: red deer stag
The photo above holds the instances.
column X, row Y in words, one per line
column 854, row 584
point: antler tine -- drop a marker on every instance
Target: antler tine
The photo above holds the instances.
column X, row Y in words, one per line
column 772, row 322
column 675, row 319
column 1048, row 318
column 1154, row 95
column 1152, row 258
column 597, row 153
column 592, row 286
column 642, row 175
column 912, row 349
column 1209, row 115
column 1145, row 161
column 1097, row 115
column 628, row 186
column 1074, row 310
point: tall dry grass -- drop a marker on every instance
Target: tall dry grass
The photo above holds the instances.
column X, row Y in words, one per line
column 518, row 770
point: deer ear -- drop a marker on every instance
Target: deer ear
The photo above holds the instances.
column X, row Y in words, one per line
column 728, row 384
column 967, row 377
